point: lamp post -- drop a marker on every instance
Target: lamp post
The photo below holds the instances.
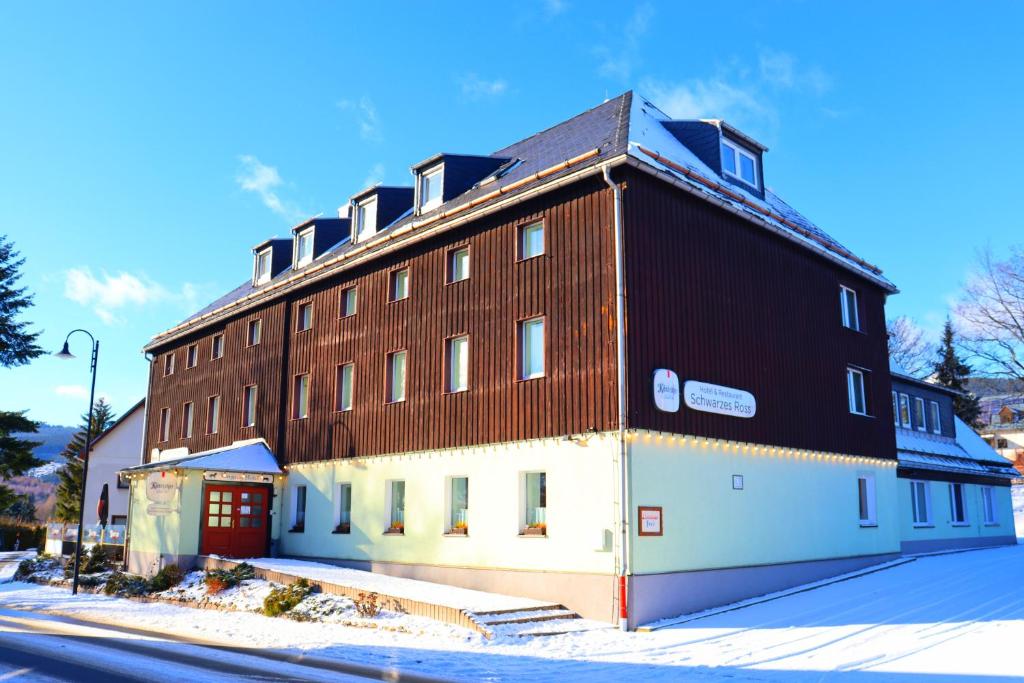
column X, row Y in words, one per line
column 66, row 354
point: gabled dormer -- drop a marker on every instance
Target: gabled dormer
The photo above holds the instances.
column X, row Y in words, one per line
column 270, row 259
column 377, row 208
column 445, row 176
column 736, row 157
column 312, row 238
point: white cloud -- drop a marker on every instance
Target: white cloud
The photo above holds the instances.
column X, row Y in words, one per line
column 476, row 88
column 375, row 176
column 619, row 62
column 261, row 179
column 367, row 118
column 106, row 294
column 711, row 98
column 72, row 390
column 555, row 7
column 782, row 70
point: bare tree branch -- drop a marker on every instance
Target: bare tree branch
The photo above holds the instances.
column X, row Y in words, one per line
column 991, row 314
column 909, row 348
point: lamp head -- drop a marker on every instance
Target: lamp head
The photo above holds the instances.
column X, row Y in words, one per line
column 65, row 353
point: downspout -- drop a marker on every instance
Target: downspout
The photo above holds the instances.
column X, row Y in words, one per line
column 620, row 343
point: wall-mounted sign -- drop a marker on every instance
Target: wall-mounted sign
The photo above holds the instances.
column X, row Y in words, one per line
column 666, row 391
column 246, row 477
column 711, row 398
column 737, row 482
column 161, row 488
column 650, row 521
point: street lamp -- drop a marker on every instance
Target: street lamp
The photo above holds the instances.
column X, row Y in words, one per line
column 65, row 353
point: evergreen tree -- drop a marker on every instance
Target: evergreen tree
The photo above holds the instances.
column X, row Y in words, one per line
column 952, row 372
column 15, row 454
column 17, row 345
column 22, row 509
column 69, row 486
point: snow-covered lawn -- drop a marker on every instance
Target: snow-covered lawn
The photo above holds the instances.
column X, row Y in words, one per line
column 949, row 617
column 1017, row 495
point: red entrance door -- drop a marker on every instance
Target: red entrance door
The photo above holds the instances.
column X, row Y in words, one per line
column 235, row 521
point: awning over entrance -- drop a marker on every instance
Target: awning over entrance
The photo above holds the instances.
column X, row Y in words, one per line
column 242, row 456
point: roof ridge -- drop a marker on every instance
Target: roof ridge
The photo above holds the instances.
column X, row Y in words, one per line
column 561, row 123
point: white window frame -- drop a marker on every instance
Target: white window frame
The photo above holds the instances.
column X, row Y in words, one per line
column 966, row 520
column 293, row 525
column 919, row 411
column 393, row 280
column 870, row 499
column 936, row 416
column 188, row 418
column 390, row 395
column 215, row 346
column 343, row 308
column 249, row 404
column 896, row 408
column 300, row 324
column 525, row 516
column 213, row 414
column 338, row 497
column 251, row 339
column 851, row 317
column 521, row 241
column 521, row 329
column 389, row 503
column 905, row 404
column 169, row 364
column 988, row 506
column 165, row 425
column 452, row 257
column 449, row 503
column 425, row 176
column 362, row 210
column 191, row 356
column 301, row 238
column 339, row 390
column 262, row 257
column 737, row 151
column 451, row 385
column 301, row 391
column 851, row 385
column 917, row 485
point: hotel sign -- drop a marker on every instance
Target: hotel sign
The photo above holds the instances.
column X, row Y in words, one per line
column 161, row 488
column 712, row 398
column 245, row 477
column 666, row 391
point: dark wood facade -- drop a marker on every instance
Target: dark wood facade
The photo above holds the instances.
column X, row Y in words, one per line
column 572, row 285
column 714, row 298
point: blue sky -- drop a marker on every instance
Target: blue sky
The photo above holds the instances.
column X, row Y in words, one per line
column 144, row 148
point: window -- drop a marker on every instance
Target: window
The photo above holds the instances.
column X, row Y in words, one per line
column 217, row 347
column 936, row 422
column 457, row 361
column 536, row 502
column 366, row 218
column 300, row 397
column 191, row 356
column 343, row 398
column 855, row 389
column 262, row 268
column 398, row 285
column 253, row 332
column 169, row 364
column 988, row 504
column 848, row 305
column 458, row 265
column 212, row 414
column 905, row 411
column 187, row 411
column 896, row 408
column 430, row 188
column 304, row 248
column 165, row 424
column 531, row 240
column 866, row 499
column 458, row 505
column 919, row 414
column 122, row 483
column 343, row 524
column 396, row 377
column 298, row 508
column 249, row 406
column 957, row 508
column 348, row 302
column 304, row 317
column 396, row 505
column 531, row 348
column 920, row 499
column 118, row 520
column 739, row 163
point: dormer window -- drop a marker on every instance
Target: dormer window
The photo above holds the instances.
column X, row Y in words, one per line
column 304, row 248
column 262, row 268
column 366, row 218
column 430, row 188
column 738, row 163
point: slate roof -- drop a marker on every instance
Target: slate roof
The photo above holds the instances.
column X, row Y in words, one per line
column 616, row 128
column 967, row 454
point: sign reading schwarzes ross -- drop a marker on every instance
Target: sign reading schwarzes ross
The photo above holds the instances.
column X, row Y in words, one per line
column 711, row 398
column 666, row 391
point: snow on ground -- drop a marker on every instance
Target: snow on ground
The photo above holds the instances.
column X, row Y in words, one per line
column 410, row 589
column 44, row 470
column 1017, row 495
column 9, row 563
column 954, row 617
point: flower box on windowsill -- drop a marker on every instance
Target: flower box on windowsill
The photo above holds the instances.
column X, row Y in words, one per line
column 396, row 529
column 535, row 531
column 344, row 528
column 459, row 531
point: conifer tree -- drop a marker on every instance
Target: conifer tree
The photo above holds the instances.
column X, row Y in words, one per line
column 69, row 486
column 17, row 345
column 952, row 372
column 15, row 453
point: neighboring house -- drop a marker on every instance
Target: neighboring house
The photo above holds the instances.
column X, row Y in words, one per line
column 468, row 381
column 118, row 447
column 954, row 490
column 1002, row 426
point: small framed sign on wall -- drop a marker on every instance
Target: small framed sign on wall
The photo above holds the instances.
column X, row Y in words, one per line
column 650, row 521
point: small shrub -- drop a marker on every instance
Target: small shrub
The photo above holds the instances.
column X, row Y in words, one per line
column 367, row 605
column 120, row 583
column 36, row 565
column 218, row 580
column 215, row 584
column 283, row 598
column 95, row 561
column 169, row 576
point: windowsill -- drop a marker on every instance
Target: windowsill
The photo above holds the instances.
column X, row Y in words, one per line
column 342, row 533
column 872, row 417
column 299, row 419
column 524, row 259
column 924, row 526
column 297, row 530
column 523, row 535
column 854, row 329
column 869, row 525
column 455, row 282
column 453, row 392
column 395, row 402
column 343, row 410
column 960, row 524
column 456, row 534
column 346, row 317
column 216, row 358
column 304, row 329
column 252, row 426
column 991, row 523
column 742, row 181
column 389, row 532
column 530, row 379
column 190, row 367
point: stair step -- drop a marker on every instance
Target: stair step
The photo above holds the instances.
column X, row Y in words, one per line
column 532, row 617
column 539, row 608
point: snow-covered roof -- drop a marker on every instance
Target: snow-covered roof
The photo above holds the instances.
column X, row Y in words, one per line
column 967, row 454
column 252, row 456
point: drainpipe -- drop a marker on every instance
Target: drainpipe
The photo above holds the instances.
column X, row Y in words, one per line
column 620, row 343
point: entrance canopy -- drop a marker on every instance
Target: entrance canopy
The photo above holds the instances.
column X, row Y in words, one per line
column 252, row 456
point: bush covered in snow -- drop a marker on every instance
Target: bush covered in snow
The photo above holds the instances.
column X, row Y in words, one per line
column 219, row 580
column 120, row 583
column 284, row 598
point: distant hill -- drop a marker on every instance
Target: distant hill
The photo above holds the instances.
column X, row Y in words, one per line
column 994, row 386
column 53, row 439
